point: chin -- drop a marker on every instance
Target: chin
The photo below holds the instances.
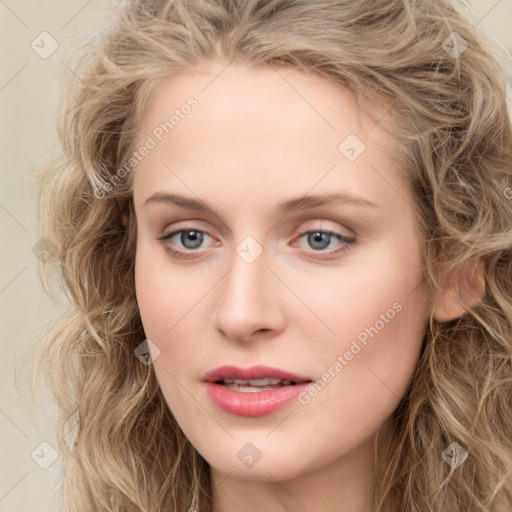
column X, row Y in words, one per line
column 269, row 465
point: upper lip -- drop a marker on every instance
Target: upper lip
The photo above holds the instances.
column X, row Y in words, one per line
column 252, row 373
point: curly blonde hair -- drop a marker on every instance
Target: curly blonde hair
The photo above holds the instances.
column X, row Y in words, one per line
column 445, row 95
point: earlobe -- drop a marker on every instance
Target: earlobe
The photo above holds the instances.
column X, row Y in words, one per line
column 463, row 291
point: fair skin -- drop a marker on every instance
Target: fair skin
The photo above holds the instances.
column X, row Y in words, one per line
column 256, row 138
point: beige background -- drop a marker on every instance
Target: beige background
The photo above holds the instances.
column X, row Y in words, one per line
column 28, row 101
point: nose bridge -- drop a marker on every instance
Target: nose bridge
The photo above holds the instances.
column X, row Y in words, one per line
column 243, row 289
column 247, row 301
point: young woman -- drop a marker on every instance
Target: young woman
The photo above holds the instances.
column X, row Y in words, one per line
column 285, row 231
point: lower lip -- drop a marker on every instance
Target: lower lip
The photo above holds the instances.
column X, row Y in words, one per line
column 253, row 404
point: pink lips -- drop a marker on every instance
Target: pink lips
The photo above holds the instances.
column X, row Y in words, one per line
column 256, row 403
column 253, row 372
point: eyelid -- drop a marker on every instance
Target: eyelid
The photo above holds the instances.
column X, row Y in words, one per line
column 342, row 237
column 167, row 236
column 188, row 225
column 317, row 225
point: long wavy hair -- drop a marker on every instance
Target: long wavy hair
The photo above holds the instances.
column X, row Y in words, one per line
column 444, row 92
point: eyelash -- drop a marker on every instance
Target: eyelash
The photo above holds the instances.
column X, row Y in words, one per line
column 348, row 242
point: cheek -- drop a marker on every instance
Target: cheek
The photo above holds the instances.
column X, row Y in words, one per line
column 367, row 290
column 151, row 300
column 377, row 313
column 164, row 294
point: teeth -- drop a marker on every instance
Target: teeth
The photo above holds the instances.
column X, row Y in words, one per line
column 258, row 382
column 250, row 389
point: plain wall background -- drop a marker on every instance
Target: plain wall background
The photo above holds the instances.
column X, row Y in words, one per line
column 29, row 91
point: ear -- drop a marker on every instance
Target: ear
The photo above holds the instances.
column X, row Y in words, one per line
column 464, row 290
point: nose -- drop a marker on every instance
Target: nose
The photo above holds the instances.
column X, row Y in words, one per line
column 248, row 302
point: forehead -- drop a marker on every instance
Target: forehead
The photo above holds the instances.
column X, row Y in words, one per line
column 259, row 124
column 253, row 93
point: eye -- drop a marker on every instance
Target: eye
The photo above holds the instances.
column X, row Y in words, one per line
column 319, row 240
column 190, row 239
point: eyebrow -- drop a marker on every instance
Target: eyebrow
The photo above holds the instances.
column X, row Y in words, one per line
column 283, row 208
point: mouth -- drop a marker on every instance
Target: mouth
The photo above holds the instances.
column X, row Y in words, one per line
column 253, row 391
column 253, row 377
column 255, row 385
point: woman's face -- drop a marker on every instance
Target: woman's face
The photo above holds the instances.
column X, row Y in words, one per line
column 243, row 182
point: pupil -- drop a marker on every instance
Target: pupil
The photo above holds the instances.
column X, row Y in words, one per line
column 195, row 237
column 319, row 240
